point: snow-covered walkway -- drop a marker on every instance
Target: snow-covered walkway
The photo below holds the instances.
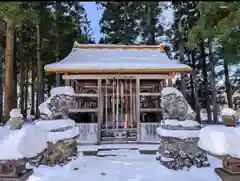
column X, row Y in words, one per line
column 128, row 165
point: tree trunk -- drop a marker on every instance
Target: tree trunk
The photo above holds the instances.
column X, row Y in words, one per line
column 58, row 13
column 181, row 51
column 33, row 73
column 191, row 80
column 40, row 92
column 195, row 90
column 8, row 98
column 26, row 92
column 205, row 79
column 213, row 82
column 150, row 30
column 21, row 82
column 15, row 82
column 1, row 79
column 228, row 83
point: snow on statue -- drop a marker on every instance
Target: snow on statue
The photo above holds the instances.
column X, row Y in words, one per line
column 58, row 104
column 179, row 133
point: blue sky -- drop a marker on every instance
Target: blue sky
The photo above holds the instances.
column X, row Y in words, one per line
column 94, row 15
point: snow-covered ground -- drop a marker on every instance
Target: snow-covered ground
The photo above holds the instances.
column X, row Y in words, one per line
column 128, row 165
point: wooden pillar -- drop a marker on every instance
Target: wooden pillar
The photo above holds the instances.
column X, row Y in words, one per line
column 117, row 100
column 72, row 84
column 100, row 109
column 67, row 81
column 113, row 103
column 169, row 81
column 106, row 104
column 138, row 108
column 131, row 103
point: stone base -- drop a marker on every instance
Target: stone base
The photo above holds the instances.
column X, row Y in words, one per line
column 179, row 153
column 229, row 121
column 175, row 144
column 226, row 175
column 22, row 177
column 59, row 153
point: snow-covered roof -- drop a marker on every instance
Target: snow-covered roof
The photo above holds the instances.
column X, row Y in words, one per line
column 117, row 58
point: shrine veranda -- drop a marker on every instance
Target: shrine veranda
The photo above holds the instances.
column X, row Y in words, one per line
column 117, row 89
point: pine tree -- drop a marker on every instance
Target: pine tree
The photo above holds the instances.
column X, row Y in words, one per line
column 72, row 18
column 119, row 23
column 185, row 16
column 150, row 26
column 13, row 14
column 218, row 23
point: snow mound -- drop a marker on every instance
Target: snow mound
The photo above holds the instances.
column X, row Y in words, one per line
column 15, row 113
column 182, row 134
column 49, row 125
column 62, row 90
column 174, row 122
column 24, row 143
column 3, row 132
column 228, row 112
column 54, row 137
column 220, row 140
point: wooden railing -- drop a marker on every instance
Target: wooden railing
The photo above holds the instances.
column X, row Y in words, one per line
column 148, row 132
column 88, row 133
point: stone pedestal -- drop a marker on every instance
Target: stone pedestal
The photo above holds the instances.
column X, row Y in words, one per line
column 16, row 119
column 14, row 171
column 230, row 170
column 62, row 144
column 178, row 151
column 229, row 120
column 226, row 175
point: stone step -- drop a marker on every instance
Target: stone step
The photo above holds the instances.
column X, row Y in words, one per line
column 130, row 138
column 118, row 152
column 118, row 142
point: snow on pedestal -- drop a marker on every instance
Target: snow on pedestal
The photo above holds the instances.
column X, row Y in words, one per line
column 183, row 129
column 15, row 113
column 220, row 140
column 59, row 129
column 228, row 112
column 229, row 116
column 27, row 142
column 49, row 125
